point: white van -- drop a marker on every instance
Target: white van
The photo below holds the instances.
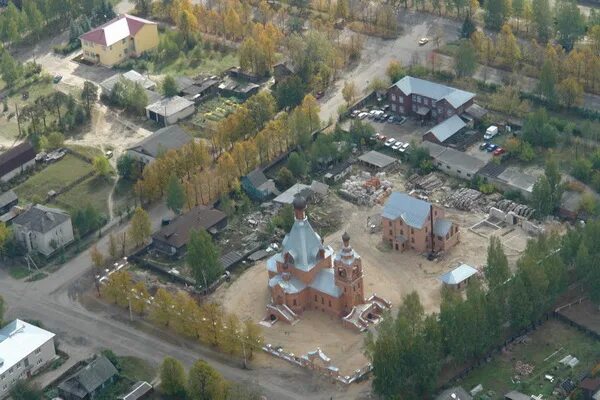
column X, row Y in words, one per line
column 490, row 132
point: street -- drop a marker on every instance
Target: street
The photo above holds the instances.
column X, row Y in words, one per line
column 55, row 302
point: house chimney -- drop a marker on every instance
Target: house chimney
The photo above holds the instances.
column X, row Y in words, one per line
column 299, row 204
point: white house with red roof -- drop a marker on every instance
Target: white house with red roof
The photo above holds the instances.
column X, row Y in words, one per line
column 123, row 37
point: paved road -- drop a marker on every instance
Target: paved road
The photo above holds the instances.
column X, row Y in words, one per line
column 83, row 331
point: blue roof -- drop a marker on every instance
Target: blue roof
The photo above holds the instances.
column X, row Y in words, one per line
column 412, row 210
column 448, row 128
column 325, row 282
column 455, row 97
column 441, row 227
column 458, row 274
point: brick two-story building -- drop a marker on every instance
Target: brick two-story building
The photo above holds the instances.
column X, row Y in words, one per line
column 411, row 223
column 428, row 100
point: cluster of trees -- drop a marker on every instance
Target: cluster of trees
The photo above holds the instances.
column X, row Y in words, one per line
column 202, row 382
column 243, row 140
column 206, row 322
column 410, row 349
column 129, row 95
column 547, row 190
column 32, row 18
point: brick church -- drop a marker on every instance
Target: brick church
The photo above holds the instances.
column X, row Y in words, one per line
column 307, row 275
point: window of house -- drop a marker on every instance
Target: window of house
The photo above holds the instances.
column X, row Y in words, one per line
column 425, row 229
column 402, row 231
column 440, row 238
column 329, row 303
column 400, row 99
column 353, row 288
column 393, row 97
column 412, row 231
column 396, row 246
column 344, row 290
column 468, row 175
column 294, row 301
column 359, row 285
column 10, row 370
column 322, row 300
column 390, row 223
column 412, row 239
column 391, row 232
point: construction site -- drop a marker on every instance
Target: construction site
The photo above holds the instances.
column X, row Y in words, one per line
column 392, row 275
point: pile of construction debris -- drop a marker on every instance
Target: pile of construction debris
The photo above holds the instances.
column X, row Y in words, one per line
column 464, row 199
column 519, row 209
column 366, row 189
column 427, row 182
column 523, row 369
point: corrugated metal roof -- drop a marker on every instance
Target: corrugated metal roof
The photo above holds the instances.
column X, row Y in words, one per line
column 169, row 138
column 303, row 243
column 170, row 105
column 458, row 274
column 448, row 128
column 414, row 212
column 455, row 97
column 377, row 159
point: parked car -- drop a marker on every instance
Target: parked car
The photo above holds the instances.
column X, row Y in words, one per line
column 385, row 107
column 423, row 41
column 499, row 151
column 484, row 145
column 492, row 147
column 108, row 154
column 404, row 147
column 391, row 119
column 319, row 94
column 383, row 138
column 57, row 78
column 354, row 113
column 400, row 120
column 397, row 145
column 363, row 115
column 390, row 142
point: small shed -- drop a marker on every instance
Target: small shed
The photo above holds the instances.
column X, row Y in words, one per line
column 257, row 186
column 514, row 395
column 445, row 130
column 377, row 160
column 169, row 110
column 459, row 276
column 455, row 393
column 337, row 172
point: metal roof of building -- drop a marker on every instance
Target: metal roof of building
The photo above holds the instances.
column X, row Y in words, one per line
column 448, row 128
column 458, row 274
column 170, row 105
column 16, row 156
column 292, row 285
column 513, row 177
column 455, row 393
column 41, row 219
column 171, row 137
column 413, row 211
column 137, row 391
column 325, row 282
column 88, row 379
column 377, row 159
column 8, row 197
column 303, row 244
column 456, row 97
column 119, row 28
column 441, row 227
column 177, row 233
column 456, row 159
column 299, row 189
column 18, row 339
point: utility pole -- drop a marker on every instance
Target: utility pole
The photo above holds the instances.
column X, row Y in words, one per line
column 18, row 118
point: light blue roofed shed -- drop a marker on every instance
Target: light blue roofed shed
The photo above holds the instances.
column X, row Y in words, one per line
column 458, row 275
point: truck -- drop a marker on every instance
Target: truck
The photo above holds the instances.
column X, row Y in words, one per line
column 490, row 132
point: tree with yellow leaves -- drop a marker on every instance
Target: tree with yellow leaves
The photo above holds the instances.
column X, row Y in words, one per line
column 97, row 257
column 118, row 288
column 508, row 47
column 212, row 324
column 161, row 311
column 140, row 227
column 139, row 298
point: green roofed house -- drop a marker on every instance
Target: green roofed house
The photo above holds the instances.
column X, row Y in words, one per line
column 88, row 381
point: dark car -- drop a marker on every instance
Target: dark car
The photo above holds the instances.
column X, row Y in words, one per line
column 57, row 78
column 400, row 120
column 483, row 146
column 491, row 147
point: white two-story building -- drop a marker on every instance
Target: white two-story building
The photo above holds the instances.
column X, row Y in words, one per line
column 24, row 350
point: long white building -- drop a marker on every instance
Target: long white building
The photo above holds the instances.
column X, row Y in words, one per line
column 24, row 350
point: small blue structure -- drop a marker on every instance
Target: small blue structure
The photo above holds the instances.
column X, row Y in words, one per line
column 459, row 276
column 257, row 186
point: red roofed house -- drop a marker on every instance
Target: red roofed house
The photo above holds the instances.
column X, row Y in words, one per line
column 123, row 37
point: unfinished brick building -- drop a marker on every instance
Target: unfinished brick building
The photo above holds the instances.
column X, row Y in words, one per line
column 411, row 223
column 307, row 275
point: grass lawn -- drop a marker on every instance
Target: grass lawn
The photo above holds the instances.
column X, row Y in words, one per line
column 137, row 369
column 18, row 271
column 53, row 177
column 94, row 191
column 87, row 151
column 213, row 63
column 543, row 350
column 123, row 197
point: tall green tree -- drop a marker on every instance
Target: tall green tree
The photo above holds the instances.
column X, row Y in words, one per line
column 205, row 383
column 520, row 307
column 10, row 69
column 175, row 194
column 89, row 95
column 465, row 61
column 26, row 390
column 542, row 19
column 570, row 23
column 496, row 13
column 496, row 270
column 169, row 86
column 296, row 164
column 172, row 378
column 203, row 258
